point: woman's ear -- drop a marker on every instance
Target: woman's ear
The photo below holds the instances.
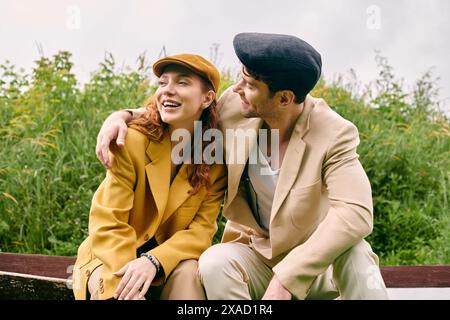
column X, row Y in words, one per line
column 208, row 99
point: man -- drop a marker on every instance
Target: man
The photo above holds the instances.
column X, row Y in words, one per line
column 297, row 217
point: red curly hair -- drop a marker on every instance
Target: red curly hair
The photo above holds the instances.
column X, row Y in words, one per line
column 151, row 125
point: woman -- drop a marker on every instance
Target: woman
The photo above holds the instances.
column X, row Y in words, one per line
column 151, row 218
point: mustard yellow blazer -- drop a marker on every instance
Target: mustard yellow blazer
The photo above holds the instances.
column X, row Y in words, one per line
column 135, row 203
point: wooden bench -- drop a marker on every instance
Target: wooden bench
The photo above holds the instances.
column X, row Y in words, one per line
column 30, row 276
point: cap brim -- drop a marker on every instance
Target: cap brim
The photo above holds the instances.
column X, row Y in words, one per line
column 158, row 67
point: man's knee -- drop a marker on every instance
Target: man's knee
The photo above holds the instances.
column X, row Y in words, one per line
column 223, row 271
column 360, row 252
column 211, row 259
column 216, row 259
column 358, row 262
column 357, row 274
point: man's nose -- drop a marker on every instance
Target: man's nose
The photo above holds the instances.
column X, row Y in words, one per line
column 238, row 86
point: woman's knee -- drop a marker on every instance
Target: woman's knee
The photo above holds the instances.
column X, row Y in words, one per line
column 187, row 268
column 183, row 283
column 93, row 283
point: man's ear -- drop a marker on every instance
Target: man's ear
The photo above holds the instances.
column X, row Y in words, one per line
column 208, row 99
column 285, row 98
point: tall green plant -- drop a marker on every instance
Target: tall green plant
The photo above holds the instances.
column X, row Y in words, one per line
column 49, row 171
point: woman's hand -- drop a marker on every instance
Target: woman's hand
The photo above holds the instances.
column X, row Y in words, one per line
column 136, row 274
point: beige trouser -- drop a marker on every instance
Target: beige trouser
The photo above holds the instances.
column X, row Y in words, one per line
column 182, row 284
column 234, row 271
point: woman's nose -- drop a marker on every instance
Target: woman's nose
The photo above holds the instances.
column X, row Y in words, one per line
column 169, row 88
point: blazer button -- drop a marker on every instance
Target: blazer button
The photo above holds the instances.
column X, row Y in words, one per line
column 146, row 237
column 87, row 273
column 101, row 280
column 101, row 290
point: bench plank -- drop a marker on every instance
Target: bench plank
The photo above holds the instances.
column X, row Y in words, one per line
column 416, row 276
column 32, row 276
column 37, row 264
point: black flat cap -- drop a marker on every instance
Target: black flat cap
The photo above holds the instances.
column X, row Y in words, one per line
column 280, row 57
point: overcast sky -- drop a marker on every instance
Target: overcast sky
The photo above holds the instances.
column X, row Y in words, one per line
column 412, row 34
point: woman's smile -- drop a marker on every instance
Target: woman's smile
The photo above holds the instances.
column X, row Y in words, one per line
column 170, row 105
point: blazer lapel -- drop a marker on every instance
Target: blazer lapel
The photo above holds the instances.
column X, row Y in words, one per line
column 293, row 158
column 235, row 160
column 158, row 171
column 167, row 197
column 178, row 192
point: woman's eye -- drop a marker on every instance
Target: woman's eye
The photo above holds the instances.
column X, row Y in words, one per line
column 183, row 83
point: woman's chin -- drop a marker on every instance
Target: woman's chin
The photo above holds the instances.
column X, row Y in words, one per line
column 172, row 121
column 169, row 119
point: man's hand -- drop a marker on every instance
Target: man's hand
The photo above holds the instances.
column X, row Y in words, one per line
column 114, row 128
column 137, row 275
column 276, row 291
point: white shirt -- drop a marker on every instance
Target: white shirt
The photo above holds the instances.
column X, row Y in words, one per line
column 263, row 182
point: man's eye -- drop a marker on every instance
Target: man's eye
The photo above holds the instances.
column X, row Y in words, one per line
column 161, row 83
column 183, row 83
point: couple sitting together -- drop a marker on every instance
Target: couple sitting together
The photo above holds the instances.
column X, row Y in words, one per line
column 296, row 217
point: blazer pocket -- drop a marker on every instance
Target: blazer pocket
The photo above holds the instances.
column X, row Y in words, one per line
column 180, row 220
column 191, row 205
column 302, row 189
column 184, row 217
column 303, row 205
column 188, row 211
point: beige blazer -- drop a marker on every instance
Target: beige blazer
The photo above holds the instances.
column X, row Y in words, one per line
column 322, row 204
column 135, row 203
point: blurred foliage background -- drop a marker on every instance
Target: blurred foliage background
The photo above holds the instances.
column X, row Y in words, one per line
column 49, row 171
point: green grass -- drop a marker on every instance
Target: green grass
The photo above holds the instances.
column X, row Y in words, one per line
column 49, row 171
